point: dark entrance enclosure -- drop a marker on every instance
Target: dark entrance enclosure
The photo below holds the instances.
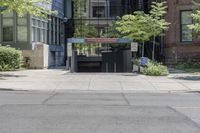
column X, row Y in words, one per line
column 95, row 18
column 89, row 64
column 108, row 59
column 119, row 61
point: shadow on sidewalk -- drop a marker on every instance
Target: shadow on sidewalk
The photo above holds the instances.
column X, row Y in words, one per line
column 11, row 75
column 191, row 78
column 2, row 78
column 8, row 89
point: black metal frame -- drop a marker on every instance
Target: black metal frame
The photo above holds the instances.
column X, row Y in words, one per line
column 180, row 13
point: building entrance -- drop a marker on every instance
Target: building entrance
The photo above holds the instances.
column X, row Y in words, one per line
column 99, row 55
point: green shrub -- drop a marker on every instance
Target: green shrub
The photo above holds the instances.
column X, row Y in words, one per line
column 10, row 58
column 187, row 64
column 155, row 69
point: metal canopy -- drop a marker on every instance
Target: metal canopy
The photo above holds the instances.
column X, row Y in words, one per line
column 99, row 40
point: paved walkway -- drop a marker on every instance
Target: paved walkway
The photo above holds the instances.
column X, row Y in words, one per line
column 60, row 80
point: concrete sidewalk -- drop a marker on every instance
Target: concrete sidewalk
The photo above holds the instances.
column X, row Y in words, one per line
column 59, row 80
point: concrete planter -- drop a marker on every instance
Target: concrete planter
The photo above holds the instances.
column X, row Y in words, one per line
column 135, row 68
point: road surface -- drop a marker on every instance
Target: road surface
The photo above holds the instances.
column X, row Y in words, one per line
column 99, row 112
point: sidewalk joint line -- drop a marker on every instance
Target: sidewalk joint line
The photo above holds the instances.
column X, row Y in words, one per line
column 184, row 85
column 3, row 105
column 185, row 116
column 89, row 84
column 121, row 86
column 152, row 85
column 49, row 98
column 186, row 107
column 126, row 100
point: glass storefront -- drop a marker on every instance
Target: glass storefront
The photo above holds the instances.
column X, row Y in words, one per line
column 100, row 14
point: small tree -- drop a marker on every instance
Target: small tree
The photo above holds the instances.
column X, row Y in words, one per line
column 158, row 23
column 112, row 32
column 22, row 7
column 85, row 31
column 135, row 26
column 141, row 27
column 196, row 17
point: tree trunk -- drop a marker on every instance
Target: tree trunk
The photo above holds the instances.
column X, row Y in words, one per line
column 153, row 51
column 143, row 49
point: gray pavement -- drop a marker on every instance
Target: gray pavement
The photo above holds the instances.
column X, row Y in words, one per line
column 60, row 80
column 99, row 112
column 54, row 101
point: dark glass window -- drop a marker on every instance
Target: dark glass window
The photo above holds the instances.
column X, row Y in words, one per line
column 8, row 27
column 115, row 8
column 8, row 34
column 186, row 33
column 99, row 11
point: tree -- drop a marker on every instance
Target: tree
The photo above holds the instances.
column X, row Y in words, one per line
column 135, row 26
column 23, row 7
column 85, row 31
column 158, row 23
column 141, row 27
column 112, row 32
column 196, row 17
column 88, row 31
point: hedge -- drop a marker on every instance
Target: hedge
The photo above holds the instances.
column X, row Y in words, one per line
column 10, row 58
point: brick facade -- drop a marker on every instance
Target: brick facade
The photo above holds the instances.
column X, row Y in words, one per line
column 175, row 50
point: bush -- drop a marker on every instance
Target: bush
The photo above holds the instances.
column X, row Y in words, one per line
column 155, row 69
column 187, row 64
column 10, row 58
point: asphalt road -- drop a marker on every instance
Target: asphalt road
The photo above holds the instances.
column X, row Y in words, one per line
column 98, row 112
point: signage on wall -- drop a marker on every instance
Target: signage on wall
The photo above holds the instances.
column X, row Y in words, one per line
column 124, row 40
column 76, row 40
column 99, row 40
column 134, row 47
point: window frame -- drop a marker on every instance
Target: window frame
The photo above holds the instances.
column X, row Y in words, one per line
column 41, row 29
column 96, row 11
column 98, row 3
column 181, row 27
column 13, row 19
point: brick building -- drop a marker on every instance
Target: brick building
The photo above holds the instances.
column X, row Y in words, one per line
column 179, row 45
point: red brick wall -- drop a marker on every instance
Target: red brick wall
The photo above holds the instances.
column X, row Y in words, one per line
column 175, row 50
